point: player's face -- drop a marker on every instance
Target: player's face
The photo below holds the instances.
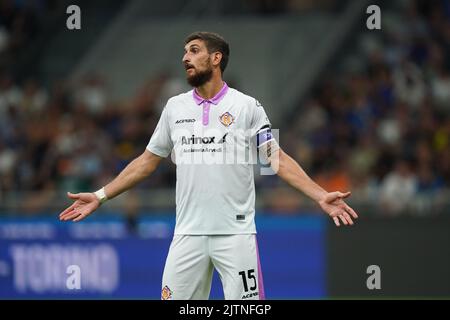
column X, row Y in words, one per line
column 197, row 63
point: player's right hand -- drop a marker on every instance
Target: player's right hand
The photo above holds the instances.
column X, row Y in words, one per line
column 84, row 205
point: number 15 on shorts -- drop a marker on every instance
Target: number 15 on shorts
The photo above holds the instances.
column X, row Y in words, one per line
column 249, row 278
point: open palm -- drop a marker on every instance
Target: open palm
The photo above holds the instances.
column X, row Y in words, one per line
column 334, row 205
column 84, row 205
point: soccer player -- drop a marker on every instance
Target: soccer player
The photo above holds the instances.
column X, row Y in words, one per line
column 215, row 199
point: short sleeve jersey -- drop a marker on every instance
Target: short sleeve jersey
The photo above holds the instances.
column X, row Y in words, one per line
column 213, row 143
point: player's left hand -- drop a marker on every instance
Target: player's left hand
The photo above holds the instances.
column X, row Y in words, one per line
column 333, row 204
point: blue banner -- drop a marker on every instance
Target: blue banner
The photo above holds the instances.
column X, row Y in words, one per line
column 108, row 258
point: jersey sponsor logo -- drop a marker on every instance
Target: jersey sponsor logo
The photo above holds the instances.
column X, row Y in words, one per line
column 202, row 140
column 249, row 295
column 184, row 121
column 223, row 140
column 197, row 140
column 166, row 293
column 226, row 119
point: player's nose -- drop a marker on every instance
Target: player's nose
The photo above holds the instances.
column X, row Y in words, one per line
column 185, row 58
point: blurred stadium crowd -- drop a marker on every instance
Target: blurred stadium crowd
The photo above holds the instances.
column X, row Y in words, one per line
column 20, row 22
column 379, row 127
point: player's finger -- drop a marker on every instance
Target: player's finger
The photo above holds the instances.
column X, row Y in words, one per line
column 336, row 195
column 343, row 219
column 348, row 218
column 75, row 213
column 69, row 209
column 336, row 221
column 350, row 211
column 344, row 195
column 331, row 197
column 73, row 195
column 63, row 217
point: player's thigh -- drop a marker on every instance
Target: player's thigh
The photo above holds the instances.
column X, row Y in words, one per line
column 236, row 259
column 188, row 269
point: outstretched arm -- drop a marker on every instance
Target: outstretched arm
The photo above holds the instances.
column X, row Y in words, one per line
column 330, row 202
column 134, row 172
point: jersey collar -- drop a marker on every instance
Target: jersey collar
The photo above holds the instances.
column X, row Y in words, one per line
column 214, row 100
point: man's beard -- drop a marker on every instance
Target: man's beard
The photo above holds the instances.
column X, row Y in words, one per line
column 200, row 78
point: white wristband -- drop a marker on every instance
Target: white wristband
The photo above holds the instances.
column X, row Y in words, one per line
column 101, row 195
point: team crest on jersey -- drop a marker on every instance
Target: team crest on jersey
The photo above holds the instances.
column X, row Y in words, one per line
column 226, row 119
column 166, row 293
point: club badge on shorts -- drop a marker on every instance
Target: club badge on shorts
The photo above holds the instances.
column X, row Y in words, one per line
column 166, row 293
column 226, row 119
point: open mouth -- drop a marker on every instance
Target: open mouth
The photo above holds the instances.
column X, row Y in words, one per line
column 188, row 67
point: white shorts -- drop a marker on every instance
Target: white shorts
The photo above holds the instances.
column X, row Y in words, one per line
column 191, row 261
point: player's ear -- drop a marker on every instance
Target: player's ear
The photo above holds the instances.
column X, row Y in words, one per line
column 217, row 58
